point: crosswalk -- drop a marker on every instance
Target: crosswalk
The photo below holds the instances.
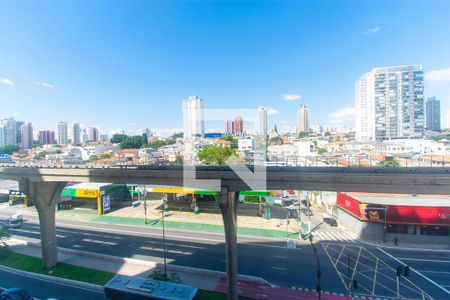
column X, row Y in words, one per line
column 335, row 236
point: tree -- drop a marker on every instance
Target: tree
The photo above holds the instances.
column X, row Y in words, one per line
column 9, row 149
column 327, row 133
column 276, row 140
column 178, row 161
column 233, row 141
column 215, row 155
column 133, row 142
column 303, row 135
column 118, row 138
column 389, row 163
column 159, row 143
column 41, row 155
column 93, row 157
column 321, row 151
column 177, row 135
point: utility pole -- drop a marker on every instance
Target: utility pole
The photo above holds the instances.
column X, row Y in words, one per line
column 164, row 243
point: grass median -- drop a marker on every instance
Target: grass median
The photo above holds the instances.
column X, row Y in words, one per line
column 32, row 264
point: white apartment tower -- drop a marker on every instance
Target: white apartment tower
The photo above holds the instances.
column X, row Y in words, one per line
column 390, row 103
column 62, row 133
column 302, row 119
column 262, row 121
column 8, row 132
column 26, row 136
column 193, row 120
column 76, row 132
column 93, row 134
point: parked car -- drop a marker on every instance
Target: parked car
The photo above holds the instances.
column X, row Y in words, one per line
column 15, row 294
column 330, row 221
column 14, row 221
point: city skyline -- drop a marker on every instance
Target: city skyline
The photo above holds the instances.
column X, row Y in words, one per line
column 150, row 83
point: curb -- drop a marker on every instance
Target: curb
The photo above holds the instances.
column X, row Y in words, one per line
column 150, row 264
column 69, row 282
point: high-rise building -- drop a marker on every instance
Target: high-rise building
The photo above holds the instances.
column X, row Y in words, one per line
column 238, row 125
column 229, row 127
column 62, row 133
column 448, row 119
column 193, row 121
column 262, row 121
column 93, row 134
column 76, row 134
column 9, row 132
column 433, row 111
column 47, row 137
column 302, row 119
column 26, row 136
column 390, row 103
column 84, row 136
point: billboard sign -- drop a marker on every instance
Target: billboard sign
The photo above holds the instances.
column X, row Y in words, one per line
column 106, row 203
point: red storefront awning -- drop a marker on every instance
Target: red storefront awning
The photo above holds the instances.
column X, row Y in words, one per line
column 400, row 214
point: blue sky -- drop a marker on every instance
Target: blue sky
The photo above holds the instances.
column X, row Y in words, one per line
column 129, row 64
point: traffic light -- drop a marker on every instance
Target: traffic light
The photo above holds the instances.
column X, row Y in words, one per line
column 406, row 271
column 355, row 284
column 399, row 270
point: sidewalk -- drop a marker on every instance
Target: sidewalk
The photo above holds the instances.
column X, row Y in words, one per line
column 250, row 287
column 206, row 222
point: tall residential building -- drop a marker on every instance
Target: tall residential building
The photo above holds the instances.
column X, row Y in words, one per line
column 193, row 121
column 229, row 127
column 9, row 132
column 93, row 134
column 390, row 103
column 84, row 137
column 62, row 133
column 262, row 121
column 433, row 110
column 238, row 125
column 47, row 137
column 26, row 136
column 302, row 119
column 448, row 119
column 76, row 134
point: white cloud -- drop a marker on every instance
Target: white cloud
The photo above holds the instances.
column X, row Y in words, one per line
column 373, row 30
column 291, row 97
column 272, row 111
column 6, row 81
column 438, row 76
column 342, row 115
column 44, row 84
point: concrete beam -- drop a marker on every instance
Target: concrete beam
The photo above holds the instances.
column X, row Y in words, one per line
column 228, row 206
column 385, row 180
column 45, row 195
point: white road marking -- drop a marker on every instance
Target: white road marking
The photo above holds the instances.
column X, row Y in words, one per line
column 436, row 272
column 414, row 270
column 281, row 269
column 425, row 260
column 279, row 256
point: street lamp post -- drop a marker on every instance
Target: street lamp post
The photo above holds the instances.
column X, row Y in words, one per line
column 164, row 240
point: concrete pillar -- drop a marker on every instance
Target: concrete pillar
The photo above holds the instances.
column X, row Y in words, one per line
column 228, row 207
column 26, row 188
column 45, row 195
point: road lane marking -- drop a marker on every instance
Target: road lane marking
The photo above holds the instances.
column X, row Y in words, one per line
column 436, row 272
column 425, row 260
column 279, row 256
column 414, row 270
column 281, row 269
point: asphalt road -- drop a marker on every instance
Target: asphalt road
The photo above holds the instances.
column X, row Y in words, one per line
column 263, row 257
